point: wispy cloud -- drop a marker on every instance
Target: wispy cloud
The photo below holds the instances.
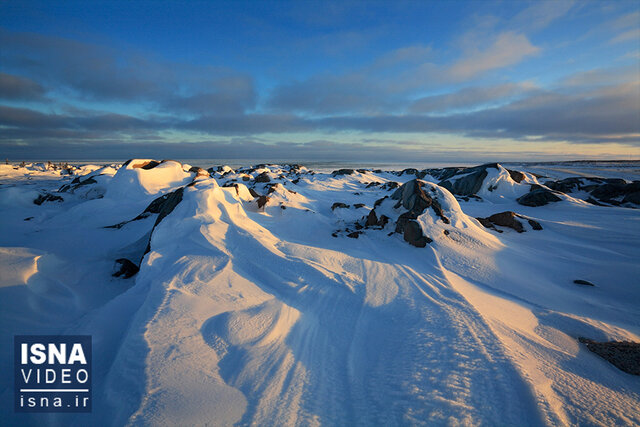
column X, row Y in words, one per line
column 507, row 49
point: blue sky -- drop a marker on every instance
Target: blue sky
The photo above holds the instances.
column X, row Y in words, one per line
column 368, row 81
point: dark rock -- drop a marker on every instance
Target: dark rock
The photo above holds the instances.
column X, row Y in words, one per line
column 412, row 197
column 583, row 282
column 403, row 220
column 198, row 171
column 263, row 177
column 47, row 198
column 538, row 196
column 125, row 268
column 77, row 183
column 466, row 185
column 372, row 184
column 534, row 224
column 29, row 218
column 624, row 355
column 507, row 219
column 337, row 205
column 517, row 176
column 446, row 232
column 343, row 172
column 435, row 205
column 144, row 165
column 253, row 193
column 391, row 185
column 615, row 189
column 414, row 236
column 362, row 170
column 359, row 205
column 486, row 222
column 283, row 207
column 262, row 200
column 594, row 202
column 372, row 218
column 409, row 171
column 566, row 185
column 632, row 198
column 354, row 234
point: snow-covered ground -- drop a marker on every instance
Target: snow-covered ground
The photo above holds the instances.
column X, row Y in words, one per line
column 292, row 309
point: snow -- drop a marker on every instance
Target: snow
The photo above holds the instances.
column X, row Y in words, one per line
column 247, row 315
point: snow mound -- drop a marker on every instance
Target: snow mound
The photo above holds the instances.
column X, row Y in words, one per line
column 133, row 181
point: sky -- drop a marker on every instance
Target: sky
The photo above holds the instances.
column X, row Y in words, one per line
column 378, row 81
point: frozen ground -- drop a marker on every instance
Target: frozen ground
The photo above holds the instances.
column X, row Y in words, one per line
column 263, row 311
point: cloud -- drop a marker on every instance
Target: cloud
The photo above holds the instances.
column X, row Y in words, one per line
column 404, row 55
column 540, row 15
column 625, row 21
column 507, row 49
column 324, row 95
column 570, row 112
column 19, row 88
column 98, row 73
column 630, row 35
column 468, row 97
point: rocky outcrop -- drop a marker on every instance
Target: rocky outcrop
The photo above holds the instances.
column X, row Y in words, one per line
column 343, row 172
column 149, row 164
column 339, row 205
column 466, row 181
column 624, row 355
column 199, row 171
column 373, row 220
column 76, row 184
column 125, row 268
column 413, row 234
column 538, row 196
column 517, row 176
column 263, row 177
column 262, row 201
column 603, row 191
column 508, row 219
column 47, row 197
column 412, row 197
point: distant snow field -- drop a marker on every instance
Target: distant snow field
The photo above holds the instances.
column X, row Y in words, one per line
column 279, row 295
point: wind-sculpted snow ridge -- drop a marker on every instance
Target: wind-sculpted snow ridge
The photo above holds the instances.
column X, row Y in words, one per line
column 276, row 295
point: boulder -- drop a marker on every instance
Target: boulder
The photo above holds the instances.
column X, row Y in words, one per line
column 469, row 182
column 343, row 172
column 632, row 198
column 507, row 219
column 583, row 282
column 262, row 200
column 47, row 197
column 538, row 196
column 372, row 218
column 624, row 355
column 340, row 205
column 517, row 176
column 199, row 171
column 412, row 197
column 263, row 177
column 125, row 268
column 414, row 236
